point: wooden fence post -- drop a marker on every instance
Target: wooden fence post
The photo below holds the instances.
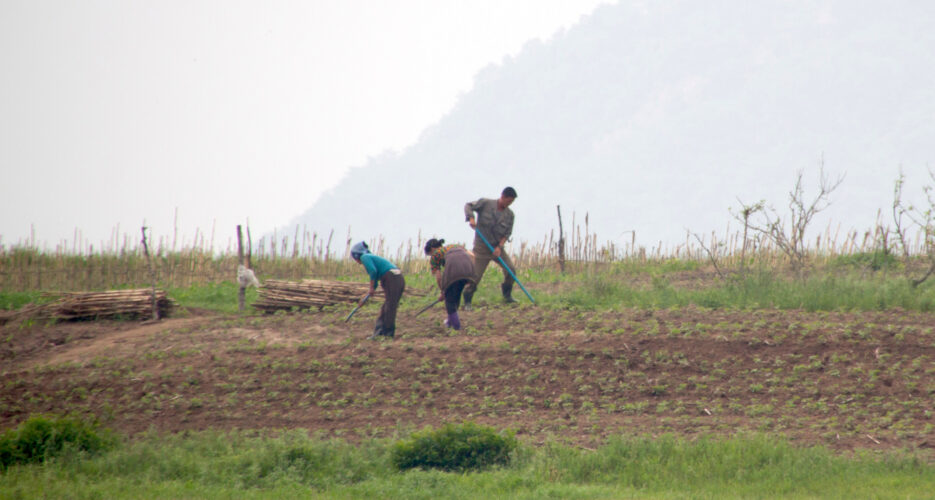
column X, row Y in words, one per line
column 249, row 248
column 152, row 275
column 242, row 292
column 561, row 241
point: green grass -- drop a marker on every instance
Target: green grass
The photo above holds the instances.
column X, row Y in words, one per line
column 611, row 288
column 845, row 284
column 16, row 300
column 229, row 465
column 875, row 260
column 221, row 297
column 828, row 292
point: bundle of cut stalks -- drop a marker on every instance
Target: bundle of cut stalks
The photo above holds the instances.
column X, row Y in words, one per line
column 97, row 305
column 277, row 295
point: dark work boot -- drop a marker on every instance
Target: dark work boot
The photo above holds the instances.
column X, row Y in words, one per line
column 507, row 289
column 467, row 300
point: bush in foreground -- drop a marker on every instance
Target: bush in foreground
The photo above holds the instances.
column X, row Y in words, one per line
column 453, row 447
column 40, row 438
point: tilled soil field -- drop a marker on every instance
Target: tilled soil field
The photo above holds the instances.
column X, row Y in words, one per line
column 846, row 380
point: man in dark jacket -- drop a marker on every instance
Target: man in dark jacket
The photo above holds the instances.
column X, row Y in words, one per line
column 495, row 221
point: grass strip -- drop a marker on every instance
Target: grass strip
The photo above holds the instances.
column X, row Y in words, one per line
column 226, row 465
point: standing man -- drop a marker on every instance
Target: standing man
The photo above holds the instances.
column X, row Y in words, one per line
column 495, row 221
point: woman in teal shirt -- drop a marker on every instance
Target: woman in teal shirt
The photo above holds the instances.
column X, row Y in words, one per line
column 390, row 277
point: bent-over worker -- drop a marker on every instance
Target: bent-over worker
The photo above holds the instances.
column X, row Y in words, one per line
column 453, row 268
column 391, row 278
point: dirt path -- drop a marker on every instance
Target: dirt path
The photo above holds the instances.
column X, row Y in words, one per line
column 120, row 342
column 84, row 341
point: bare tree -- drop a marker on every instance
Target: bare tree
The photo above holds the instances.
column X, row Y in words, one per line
column 922, row 219
column 789, row 235
column 746, row 212
column 713, row 252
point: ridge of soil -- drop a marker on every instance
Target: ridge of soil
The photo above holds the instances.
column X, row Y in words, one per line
column 843, row 379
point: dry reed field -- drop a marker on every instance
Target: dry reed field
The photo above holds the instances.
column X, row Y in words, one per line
column 120, row 262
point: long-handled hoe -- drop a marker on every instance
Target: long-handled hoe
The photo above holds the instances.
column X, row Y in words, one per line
column 426, row 308
column 502, row 263
column 351, row 315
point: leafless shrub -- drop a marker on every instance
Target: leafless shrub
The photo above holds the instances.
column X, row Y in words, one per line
column 922, row 219
column 789, row 235
column 746, row 212
column 713, row 252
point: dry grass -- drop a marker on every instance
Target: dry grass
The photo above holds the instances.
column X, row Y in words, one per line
column 119, row 263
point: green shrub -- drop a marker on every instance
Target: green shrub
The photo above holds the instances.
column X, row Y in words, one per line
column 875, row 260
column 453, row 447
column 41, row 437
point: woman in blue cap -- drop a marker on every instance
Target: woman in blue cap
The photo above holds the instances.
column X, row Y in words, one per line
column 391, row 278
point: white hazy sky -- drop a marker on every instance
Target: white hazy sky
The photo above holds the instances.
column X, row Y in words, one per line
column 115, row 112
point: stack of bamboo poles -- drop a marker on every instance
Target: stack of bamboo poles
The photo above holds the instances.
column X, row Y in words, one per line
column 133, row 303
column 96, row 305
column 277, row 295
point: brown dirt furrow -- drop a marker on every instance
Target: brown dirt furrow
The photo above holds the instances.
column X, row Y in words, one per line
column 829, row 378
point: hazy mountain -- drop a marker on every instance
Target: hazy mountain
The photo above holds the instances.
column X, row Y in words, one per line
column 655, row 117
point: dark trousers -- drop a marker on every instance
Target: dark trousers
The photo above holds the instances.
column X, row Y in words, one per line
column 393, row 287
column 453, row 295
column 482, row 257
